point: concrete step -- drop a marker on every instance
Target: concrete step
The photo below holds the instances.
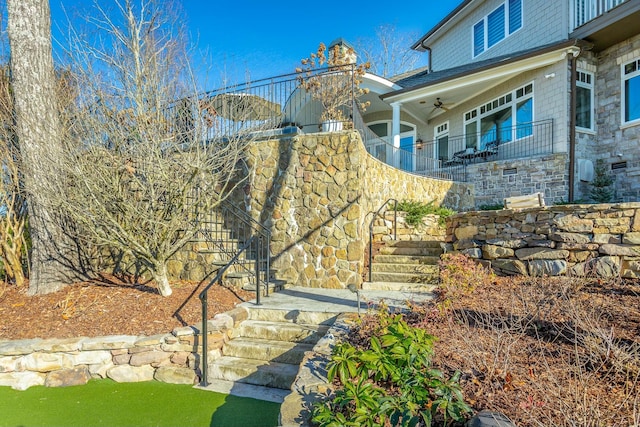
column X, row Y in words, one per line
column 251, row 371
column 410, row 250
column 398, row 286
column 279, row 331
column 403, row 277
column 268, row 350
column 406, row 259
column 248, row 284
column 404, row 268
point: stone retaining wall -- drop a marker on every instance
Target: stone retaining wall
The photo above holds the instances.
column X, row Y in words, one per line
column 172, row 358
column 580, row 240
column 317, row 194
column 391, row 223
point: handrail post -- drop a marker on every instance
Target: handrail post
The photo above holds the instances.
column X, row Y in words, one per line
column 395, row 220
column 204, row 381
column 257, row 267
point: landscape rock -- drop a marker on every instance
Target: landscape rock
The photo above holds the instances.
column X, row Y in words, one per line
column 67, row 377
column 175, row 375
column 22, row 380
column 486, row 418
column 131, row 374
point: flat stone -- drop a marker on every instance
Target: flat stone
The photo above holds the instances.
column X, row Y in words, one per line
column 175, row 375
column 45, row 362
column 495, row 252
column 96, row 357
column 152, row 340
column 632, row 238
column 67, row 377
column 475, row 253
column 542, row 267
column 570, row 237
column 20, row 347
column 149, row 358
column 572, row 223
column 9, row 363
column 61, row 344
column 526, row 254
column 607, row 266
column 22, row 380
column 620, row 250
column 109, row 342
column 131, row 374
column 508, row 243
column 465, row 244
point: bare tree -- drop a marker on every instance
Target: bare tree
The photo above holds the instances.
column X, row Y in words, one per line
column 38, row 133
column 389, row 51
column 144, row 154
column 13, row 204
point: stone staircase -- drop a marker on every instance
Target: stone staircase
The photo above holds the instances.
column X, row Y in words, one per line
column 264, row 353
column 405, row 266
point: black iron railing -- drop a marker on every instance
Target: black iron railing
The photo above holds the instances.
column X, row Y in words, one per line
column 377, row 215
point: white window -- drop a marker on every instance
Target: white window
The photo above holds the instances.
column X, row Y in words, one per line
column 500, row 121
column 503, row 21
column 584, row 100
column 631, row 91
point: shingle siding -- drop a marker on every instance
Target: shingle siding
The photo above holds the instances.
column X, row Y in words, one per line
column 544, row 22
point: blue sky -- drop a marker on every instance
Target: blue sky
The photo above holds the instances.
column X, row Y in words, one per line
column 269, row 38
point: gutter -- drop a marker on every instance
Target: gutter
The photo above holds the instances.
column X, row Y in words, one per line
column 573, row 60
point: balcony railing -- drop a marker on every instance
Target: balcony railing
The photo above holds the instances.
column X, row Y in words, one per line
column 523, row 141
column 583, row 11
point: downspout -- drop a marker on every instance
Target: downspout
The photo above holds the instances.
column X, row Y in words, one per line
column 572, row 124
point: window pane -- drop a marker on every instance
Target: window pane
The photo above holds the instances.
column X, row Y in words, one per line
column 478, row 38
column 496, row 127
column 583, row 107
column 524, row 118
column 515, row 15
column 495, row 26
column 471, row 135
column 632, row 99
column 379, row 129
column 405, row 128
column 443, row 148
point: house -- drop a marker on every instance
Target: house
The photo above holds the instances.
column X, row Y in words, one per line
column 523, row 96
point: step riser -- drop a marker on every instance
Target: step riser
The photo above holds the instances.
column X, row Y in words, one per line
column 406, row 259
column 292, row 354
column 414, row 244
column 405, row 278
column 400, row 287
column 281, row 332
column 404, row 268
column 411, row 251
column 252, row 376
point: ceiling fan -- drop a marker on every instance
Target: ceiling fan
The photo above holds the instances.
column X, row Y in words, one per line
column 439, row 105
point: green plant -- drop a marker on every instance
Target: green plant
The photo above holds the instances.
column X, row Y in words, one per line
column 389, row 381
column 416, row 211
column 491, row 207
column 459, row 275
column 601, row 191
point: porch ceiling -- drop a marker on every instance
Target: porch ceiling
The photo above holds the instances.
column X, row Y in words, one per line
column 459, row 85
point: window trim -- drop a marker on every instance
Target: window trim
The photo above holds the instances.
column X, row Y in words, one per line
column 623, row 95
column 485, row 27
column 591, row 87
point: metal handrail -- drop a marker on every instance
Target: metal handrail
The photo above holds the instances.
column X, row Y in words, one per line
column 395, row 228
column 204, row 300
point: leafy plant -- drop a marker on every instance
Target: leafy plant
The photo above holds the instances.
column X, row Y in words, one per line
column 491, row 207
column 416, row 211
column 390, row 381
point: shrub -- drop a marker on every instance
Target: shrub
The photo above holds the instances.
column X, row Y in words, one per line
column 390, row 381
column 416, row 211
column 459, row 275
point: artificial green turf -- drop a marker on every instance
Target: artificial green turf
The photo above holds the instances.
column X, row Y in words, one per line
column 107, row 403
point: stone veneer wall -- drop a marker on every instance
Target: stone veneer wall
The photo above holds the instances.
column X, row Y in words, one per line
column 602, row 240
column 172, row 358
column 495, row 181
column 316, row 193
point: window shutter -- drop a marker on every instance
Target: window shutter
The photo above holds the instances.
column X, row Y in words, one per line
column 478, row 38
column 495, row 26
column 515, row 15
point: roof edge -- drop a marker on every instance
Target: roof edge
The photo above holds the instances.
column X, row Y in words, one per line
column 419, row 45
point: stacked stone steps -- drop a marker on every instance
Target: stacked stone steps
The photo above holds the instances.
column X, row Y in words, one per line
column 265, row 351
column 406, row 266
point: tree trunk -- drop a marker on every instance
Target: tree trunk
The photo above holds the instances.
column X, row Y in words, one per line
column 162, row 279
column 38, row 130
